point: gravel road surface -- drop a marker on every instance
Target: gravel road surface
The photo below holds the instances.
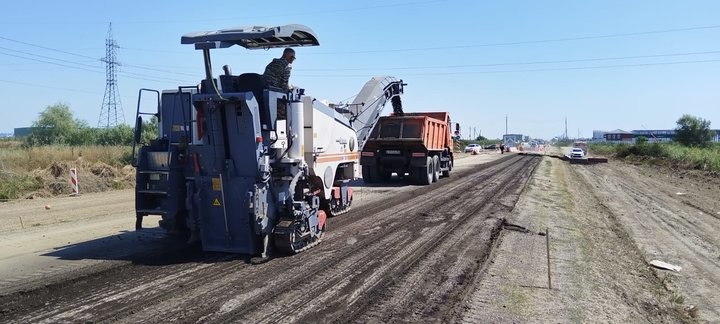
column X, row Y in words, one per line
column 470, row 248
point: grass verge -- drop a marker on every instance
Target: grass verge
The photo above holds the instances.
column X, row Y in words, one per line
column 679, row 156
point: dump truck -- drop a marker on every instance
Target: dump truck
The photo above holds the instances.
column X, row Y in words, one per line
column 246, row 167
column 417, row 146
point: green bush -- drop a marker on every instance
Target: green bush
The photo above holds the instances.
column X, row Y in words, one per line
column 12, row 186
column 118, row 135
column 701, row 158
column 56, row 125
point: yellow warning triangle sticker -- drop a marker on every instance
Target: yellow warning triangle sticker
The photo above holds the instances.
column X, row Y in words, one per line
column 216, row 202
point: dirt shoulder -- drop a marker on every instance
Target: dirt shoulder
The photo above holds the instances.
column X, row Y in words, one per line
column 606, row 222
column 46, row 240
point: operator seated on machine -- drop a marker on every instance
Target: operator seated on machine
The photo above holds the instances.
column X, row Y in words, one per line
column 277, row 72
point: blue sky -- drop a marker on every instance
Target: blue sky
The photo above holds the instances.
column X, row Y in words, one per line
column 602, row 65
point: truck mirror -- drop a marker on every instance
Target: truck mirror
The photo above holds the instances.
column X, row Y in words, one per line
column 138, row 129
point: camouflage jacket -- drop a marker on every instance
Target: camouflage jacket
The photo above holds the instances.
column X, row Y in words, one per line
column 277, row 73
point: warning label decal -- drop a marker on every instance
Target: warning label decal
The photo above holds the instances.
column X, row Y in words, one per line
column 216, row 184
column 216, row 202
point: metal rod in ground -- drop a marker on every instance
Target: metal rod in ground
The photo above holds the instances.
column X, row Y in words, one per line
column 547, row 248
column 21, row 223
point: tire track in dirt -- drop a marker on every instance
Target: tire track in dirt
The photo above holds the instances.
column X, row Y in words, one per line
column 670, row 230
column 430, row 289
column 434, row 260
column 268, row 281
column 367, row 268
column 598, row 273
column 220, row 287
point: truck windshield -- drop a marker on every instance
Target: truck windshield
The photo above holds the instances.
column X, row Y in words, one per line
column 391, row 130
column 411, row 129
column 398, row 129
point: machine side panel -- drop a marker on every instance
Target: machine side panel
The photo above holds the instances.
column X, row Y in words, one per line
column 176, row 116
column 224, row 200
column 332, row 144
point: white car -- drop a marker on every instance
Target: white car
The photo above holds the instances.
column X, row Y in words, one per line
column 473, row 148
column 577, row 153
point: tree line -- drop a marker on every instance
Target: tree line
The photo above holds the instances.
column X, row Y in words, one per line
column 56, row 125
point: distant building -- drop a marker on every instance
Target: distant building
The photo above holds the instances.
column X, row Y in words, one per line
column 22, row 131
column 652, row 135
column 665, row 135
column 619, row 135
column 513, row 139
column 598, row 135
column 657, row 135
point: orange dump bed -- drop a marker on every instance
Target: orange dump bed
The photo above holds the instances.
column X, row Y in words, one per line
column 430, row 129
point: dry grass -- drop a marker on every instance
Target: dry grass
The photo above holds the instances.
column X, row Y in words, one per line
column 43, row 171
column 683, row 157
column 15, row 158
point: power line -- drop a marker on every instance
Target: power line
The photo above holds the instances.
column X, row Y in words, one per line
column 446, row 47
column 483, row 65
column 435, row 48
column 516, row 63
column 530, row 70
column 49, row 58
column 43, row 86
column 238, row 18
column 125, row 74
column 49, row 62
column 47, row 48
column 551, row 40
column 160, row 70
column 84, row 56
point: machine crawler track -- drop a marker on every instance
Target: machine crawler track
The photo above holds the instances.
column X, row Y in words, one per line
column 290, row 238
column 340, row 212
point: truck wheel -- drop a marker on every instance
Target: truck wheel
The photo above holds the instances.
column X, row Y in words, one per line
column 436, row 168
column 385, row 175
column 446, row 173
column 425, row 173
column 369, row 174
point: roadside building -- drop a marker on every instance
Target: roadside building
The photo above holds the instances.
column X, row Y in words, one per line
column 619, row 136
column 510, row 140
column 654, row 135
column 598, row 136
column 22, row 131
column 665, row 135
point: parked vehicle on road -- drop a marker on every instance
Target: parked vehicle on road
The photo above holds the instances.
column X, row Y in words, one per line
column 577, row 153
column 581, row 145
column 470, row 148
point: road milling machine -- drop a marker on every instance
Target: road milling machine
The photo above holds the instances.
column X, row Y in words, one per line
column 245, row 167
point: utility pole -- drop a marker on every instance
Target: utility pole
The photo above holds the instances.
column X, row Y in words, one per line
column 506, row 124
column 111, row 100
column 566, row 136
